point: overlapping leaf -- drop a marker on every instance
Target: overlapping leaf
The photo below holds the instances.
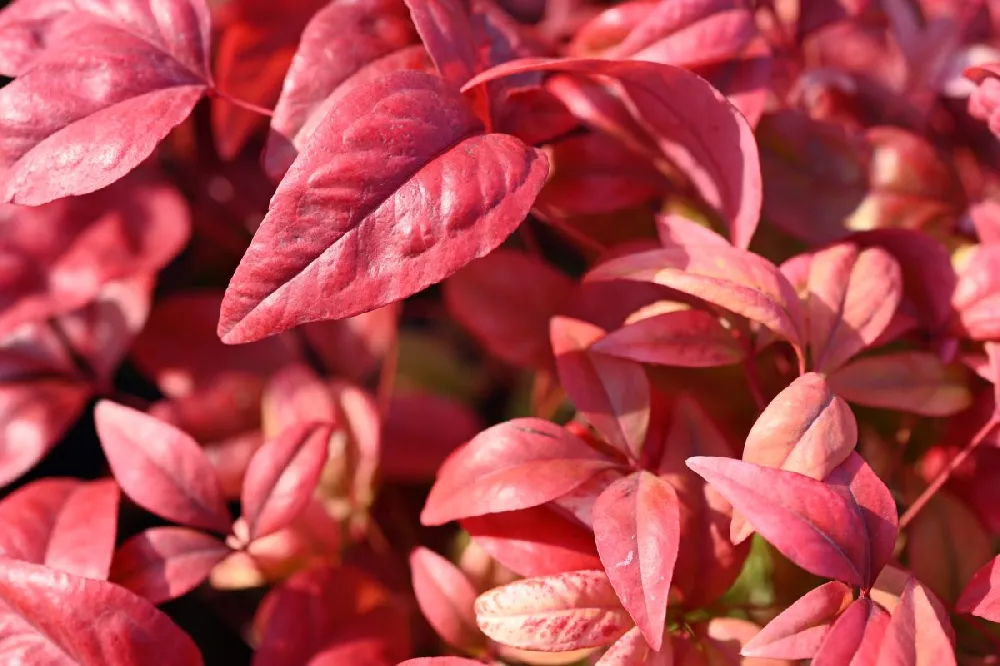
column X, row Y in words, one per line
column 798, row 631
column 855, row 636
column 919, row 631
column 683, row 338
column 446, row 598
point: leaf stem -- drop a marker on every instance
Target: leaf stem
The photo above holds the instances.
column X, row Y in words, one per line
column 249, row 106
column 946, row 473
column 575, row 235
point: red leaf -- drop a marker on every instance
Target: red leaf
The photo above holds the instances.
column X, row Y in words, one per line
column 738, row 281
column 440, row 661
column 875, row 506
column 919, row 631
column 810, row 523
column 389, row 187
column 633, row 650
column 57, row 257
column 64, row 524
column 343, row 45
column 568, row 611
column 536, row 541
column 514, row 465
column 852, row 298
column 684, row 338
column 855, row 637
column 421, row 430
column 447, row 599
column 445, row 30
column 798, row 631
column 909, row 381
column 982, row 595
column 369, row 651
column 506, row 300
column 282, row 476
column 610, row 393
column 679, row 117
column 975, row 297
column 161, row 468
column 42, row 622
column 637, row 530
column 296, row 620
column 122, row 76
column 164, row 563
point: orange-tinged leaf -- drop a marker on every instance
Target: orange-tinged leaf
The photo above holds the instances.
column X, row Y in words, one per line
column 567, row 611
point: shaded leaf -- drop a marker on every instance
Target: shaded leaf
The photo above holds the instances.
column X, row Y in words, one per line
column 633, row 650
column 42, row 622
column 909, row 381
column 422, row 201
column 161, row 468
column 637, row 530
column 163, row 563
column 855, row 636
column 919, row 631
column 446, row 598
column 421, row 430
column 514, row 465
column 982, row 595
column 554, row 613
column 798, row 631
column 281, row 477
column 685, row 338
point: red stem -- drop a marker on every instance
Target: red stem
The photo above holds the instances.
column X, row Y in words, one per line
column 946, row 473
column 249, row 106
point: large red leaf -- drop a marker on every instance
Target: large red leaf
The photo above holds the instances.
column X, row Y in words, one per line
column 919, row 631
column 88, row 110
column 557, row 613
column 876, row 509
column 282, row 476
column 536, row 541
column 514, row 465
column 670, row 113
column 345, row 43
column 447, row 599
column 64, row 524
column 682, row 338
column 798, row 631
column 506, row 300
column 41, row 622
column 164, row 563
column 637, row 530
column 398, row 188
column 909, row 381
column 813, row 525
column 855, row 636
column 738, row 281
column 612, row 394
column 982, row 595
column 707, row 561
column 853, row 295
column 161, row 468
column 57, row 257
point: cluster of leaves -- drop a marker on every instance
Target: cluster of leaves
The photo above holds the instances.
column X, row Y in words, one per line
column 723, row 275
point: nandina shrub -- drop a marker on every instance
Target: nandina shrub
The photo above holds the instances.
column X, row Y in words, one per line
column 444, row 332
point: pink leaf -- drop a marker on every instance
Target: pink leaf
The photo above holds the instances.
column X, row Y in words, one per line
column 678, row 116
column 919, row 631
column 423, row 200
column 161, row 468
column 75, row 114
column 637, row 529
column 447, row 599
column 875, row 506
column 62, row 523
column 975, row 295
column 798, row 631
column 568, row 611
column 610, row 393
column 536, row 541
column 633, row 650
column 685, row 339
column 852, row 298
column 440, row 661
column 42, row 622
column 514, row 465
column 738, row 281
column 982, row 595
column 910, row 381
column 505, row 300
column 812, row 524
column 281, row 477
column 164, row 563
column 855, row 637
